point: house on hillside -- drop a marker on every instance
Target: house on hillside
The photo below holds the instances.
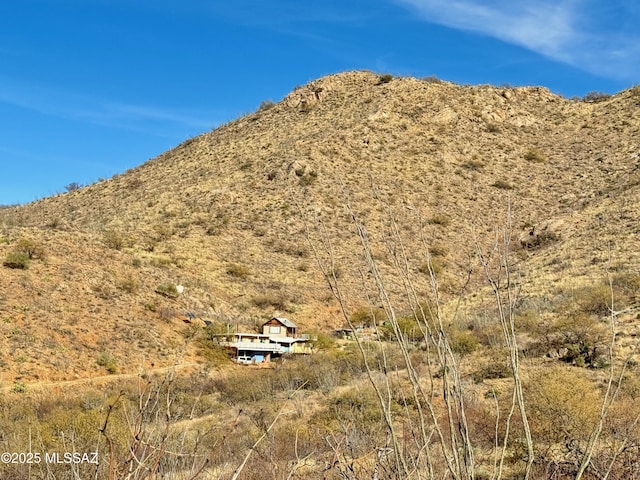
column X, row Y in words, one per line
column 279, row 336
column 279, row 327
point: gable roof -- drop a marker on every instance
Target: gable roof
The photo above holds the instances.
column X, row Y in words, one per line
column 285, row 321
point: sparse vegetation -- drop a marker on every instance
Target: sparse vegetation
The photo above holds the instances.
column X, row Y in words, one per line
column 466, row 353
column 266, row 105
column 73, row 186
column 19, row 387
column 441, row 219
column 17, row 260
column 594, row 97
column 473, row 165
column 535, row 155
column 107, row 361
column 502, row 185
column 237, row 270
column 168, row 290
column 114, row 239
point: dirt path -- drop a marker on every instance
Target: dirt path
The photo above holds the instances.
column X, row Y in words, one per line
column 102, row 379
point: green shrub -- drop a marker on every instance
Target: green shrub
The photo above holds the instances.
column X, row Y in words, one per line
column 168, row 290
column 32, row 248
column 407, row 326
column 18, row 260
column 385, row 78
column 19, row 387
column 322, row 341
column 107, row 361
column 496, row 368
column 367, row 316
column 463, row 342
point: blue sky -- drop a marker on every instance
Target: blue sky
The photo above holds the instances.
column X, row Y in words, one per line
column 90, row 88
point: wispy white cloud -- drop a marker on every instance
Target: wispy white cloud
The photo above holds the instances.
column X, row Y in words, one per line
column 88, row 109
column 599, row 36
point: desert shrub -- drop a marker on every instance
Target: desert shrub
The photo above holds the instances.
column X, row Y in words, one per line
column 292, row 249
column 168, row 290
column 18, row 260
column 563, row 406
column 308, row 179
column 212, row 352
column 32, row 248
column 128, row 284
column 367, row 316
column 244, row 387
column 107, row 361
column 384, row 78
column 358, row 404
column 19, row 387
column 237, row 270
column 434, row 264
column 431, row 79
column 463, row 342
column 438, row 250
column 73, row 186
column 270, row 300
column 595, row 97
column 595, row 299
column 577, row 338
column 266, row 105
column 628, row 284
column 473, row 165
column 407, row 326
column 535, row 155
column 496, row 367
column 217, row 224
column 488, row 332
column 114, row 239
column 493, row 127
column 322, row 341
column 502, row 184
column 439, row 219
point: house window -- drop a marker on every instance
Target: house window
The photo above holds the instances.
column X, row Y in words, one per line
column 274, row 329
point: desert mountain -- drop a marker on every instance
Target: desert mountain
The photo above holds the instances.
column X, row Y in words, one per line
column 240, row 215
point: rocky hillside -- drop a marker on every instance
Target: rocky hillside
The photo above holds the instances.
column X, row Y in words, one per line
column 240, row 216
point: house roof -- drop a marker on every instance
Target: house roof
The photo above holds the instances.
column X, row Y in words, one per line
column 285, row 321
